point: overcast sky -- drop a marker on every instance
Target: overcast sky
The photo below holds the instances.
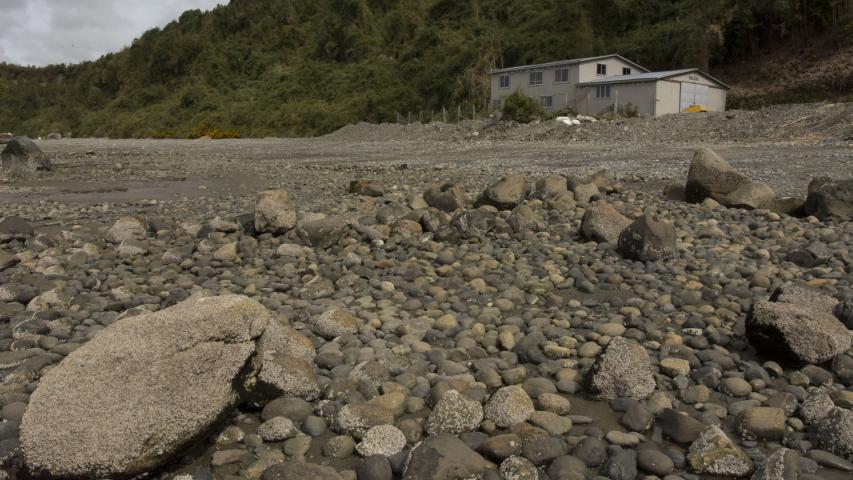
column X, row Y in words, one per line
column 43, row 32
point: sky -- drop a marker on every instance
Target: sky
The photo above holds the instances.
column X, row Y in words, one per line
column 44, row 32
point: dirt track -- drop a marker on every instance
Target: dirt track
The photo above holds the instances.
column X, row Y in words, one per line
column 318, row 170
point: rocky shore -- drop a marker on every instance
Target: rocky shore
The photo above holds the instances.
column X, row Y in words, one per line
column 547, row 326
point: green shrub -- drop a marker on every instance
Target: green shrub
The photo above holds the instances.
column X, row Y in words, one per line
column 204, row 129
column 521, row 108
column 629, row 110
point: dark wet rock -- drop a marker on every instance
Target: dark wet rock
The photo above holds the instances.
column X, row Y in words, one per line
column 830, row 199
column 568, row 467
column 648, row 239
column 622, row 465
column 783, row 464
column 654, row 462
column 791, row 332
column 375, row 467
column 679, row 427
column 622, row 370
column 442, row 457
column 473, row 223
column 14, row 227
column 810, row 256
column 761, row 422
column 299, row 469
column 844, row 312
column 786, row 205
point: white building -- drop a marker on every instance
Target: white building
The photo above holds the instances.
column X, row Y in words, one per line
column 593, row 85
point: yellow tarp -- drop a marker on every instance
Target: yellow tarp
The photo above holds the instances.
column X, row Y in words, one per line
column 695, row 109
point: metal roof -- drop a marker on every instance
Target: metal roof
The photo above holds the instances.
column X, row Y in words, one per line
column 566, row 62
column 648, row 77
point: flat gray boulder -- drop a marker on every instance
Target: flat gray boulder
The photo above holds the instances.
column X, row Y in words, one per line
column 647, row 239
column 749, row 195
column 506, row 194
column 142, row 389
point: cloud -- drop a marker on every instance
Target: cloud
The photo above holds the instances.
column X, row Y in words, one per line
column 43, row 32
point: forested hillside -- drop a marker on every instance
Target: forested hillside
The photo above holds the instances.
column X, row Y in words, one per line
column 306, row 67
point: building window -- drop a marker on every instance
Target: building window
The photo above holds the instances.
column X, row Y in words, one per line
column 504, row 80
column 602, row 91
column 536, row 77
column 561, row 75
column 626, row 71
column 601, row 69
column 547, row 102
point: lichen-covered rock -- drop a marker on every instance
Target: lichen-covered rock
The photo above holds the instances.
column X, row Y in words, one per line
column 835, row 433
column 126, row 229
column 623, row 370
column 795, row 333
column 323, row 232
column 783, row 464
column 714, row 453
column 454, row 413
column 335, row 323
column 509, row 406
column 384, row 440
column 443, row 457
column 142, row 389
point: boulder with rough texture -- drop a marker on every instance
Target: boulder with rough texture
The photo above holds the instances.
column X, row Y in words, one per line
column 509, row 406
column 844, row 312
column 13, row 227
column 796, row 333
column 22, row 155
column 126, row 229
column 550, row 186
column 473, row 223
column 714, row 453
column 783, row 464
column 447, row 197
column 584, row 192
column 506, row 194
column 623, row 370
column 804, row 296
column 455, row 414
column 603, row 223
column 788, row 205
column 275, row 212
column 142, row 389
column 334, row 323
column 749, row 195
column 444, row 457
column 648, row 239
column 835, row 433
column 384, row 440
column 711, row 176
column 830, row 199
column 524, row 219
column 323, row 232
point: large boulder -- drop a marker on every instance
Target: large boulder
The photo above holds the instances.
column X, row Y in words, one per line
column 23, row 155
column 275, row 212
column 648, row 239
column 506, row 194
column 796, row 333
column 749, row 195
column 524, row 219
column 447, row 197
column 367, row 188
column 473, row 223
column 623, row 370
column 830, row 199
column 444, row 457
column 603, row 223
column 550, row 186
column 142, row 389
column 711, row 176
column 323, row 232
column 12, row 228
column 127, row 229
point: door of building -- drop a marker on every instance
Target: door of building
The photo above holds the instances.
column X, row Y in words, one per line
column 693, row 94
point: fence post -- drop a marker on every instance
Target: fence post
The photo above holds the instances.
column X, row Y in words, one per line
column 474, row 112
column 616, row 105
column 443, row 114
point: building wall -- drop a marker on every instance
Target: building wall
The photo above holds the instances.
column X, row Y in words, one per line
column 565, row 94
column 668, row 97
column 640, row 94
column 614, row 68
column 520, row 80
column 717, row 99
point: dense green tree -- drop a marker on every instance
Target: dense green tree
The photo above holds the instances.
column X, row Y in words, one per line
column 306, row 67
